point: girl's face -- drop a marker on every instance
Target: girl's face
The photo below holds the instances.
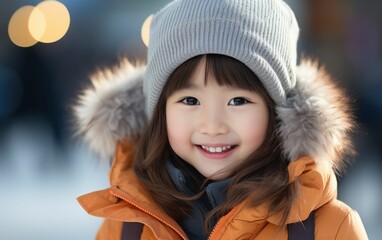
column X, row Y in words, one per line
column 215, row 128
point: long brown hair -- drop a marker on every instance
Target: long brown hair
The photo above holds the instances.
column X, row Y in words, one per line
column 263, row 177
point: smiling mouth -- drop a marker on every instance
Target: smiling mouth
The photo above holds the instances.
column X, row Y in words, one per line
column 217, row 149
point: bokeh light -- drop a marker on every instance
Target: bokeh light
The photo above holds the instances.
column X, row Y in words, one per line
column 57, row 19
column 37, row 23
column 47, row 22
column 145, row 31
column 18, row 27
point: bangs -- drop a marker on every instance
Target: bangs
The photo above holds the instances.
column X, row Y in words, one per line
column 231, row 72
column 226, row 71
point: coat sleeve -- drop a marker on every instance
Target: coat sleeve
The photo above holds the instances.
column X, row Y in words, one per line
column 352, row 228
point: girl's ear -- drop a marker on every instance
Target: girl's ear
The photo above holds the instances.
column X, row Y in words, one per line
column 112, row 108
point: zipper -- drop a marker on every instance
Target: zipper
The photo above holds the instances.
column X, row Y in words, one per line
column 214, row 229
column 221, row 220
column 148, row 212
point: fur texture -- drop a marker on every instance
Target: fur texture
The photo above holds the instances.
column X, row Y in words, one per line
column 314, row 119
column 112, row 108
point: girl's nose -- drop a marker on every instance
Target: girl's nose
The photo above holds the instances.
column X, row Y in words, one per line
column 213, row 122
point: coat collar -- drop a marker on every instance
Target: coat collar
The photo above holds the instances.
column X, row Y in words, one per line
column 316, row 186
column 215, row 190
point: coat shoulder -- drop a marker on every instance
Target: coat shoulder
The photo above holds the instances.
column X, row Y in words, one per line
column 336, row 220
column 110, row 230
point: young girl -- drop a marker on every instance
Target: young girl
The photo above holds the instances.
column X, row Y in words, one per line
column 222, row 135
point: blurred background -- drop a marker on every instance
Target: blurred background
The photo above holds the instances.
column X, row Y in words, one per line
column 43, row 168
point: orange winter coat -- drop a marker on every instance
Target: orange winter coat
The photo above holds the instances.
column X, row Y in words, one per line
column 127, row 200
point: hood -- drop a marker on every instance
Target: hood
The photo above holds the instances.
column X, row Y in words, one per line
column 315, row 119
column 112, row 108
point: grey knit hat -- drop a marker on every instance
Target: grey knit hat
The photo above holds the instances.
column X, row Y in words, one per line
column 260, row 33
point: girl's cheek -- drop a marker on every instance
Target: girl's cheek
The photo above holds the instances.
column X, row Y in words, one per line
column 253, row 127
column 176, row 126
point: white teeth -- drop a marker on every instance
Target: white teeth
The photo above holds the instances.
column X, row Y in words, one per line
column 217, row 149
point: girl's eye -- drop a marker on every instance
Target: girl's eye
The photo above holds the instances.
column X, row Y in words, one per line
column 190, row 101
column 237, row 101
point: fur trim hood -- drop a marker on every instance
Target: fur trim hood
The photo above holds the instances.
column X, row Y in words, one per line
column 315, row 119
